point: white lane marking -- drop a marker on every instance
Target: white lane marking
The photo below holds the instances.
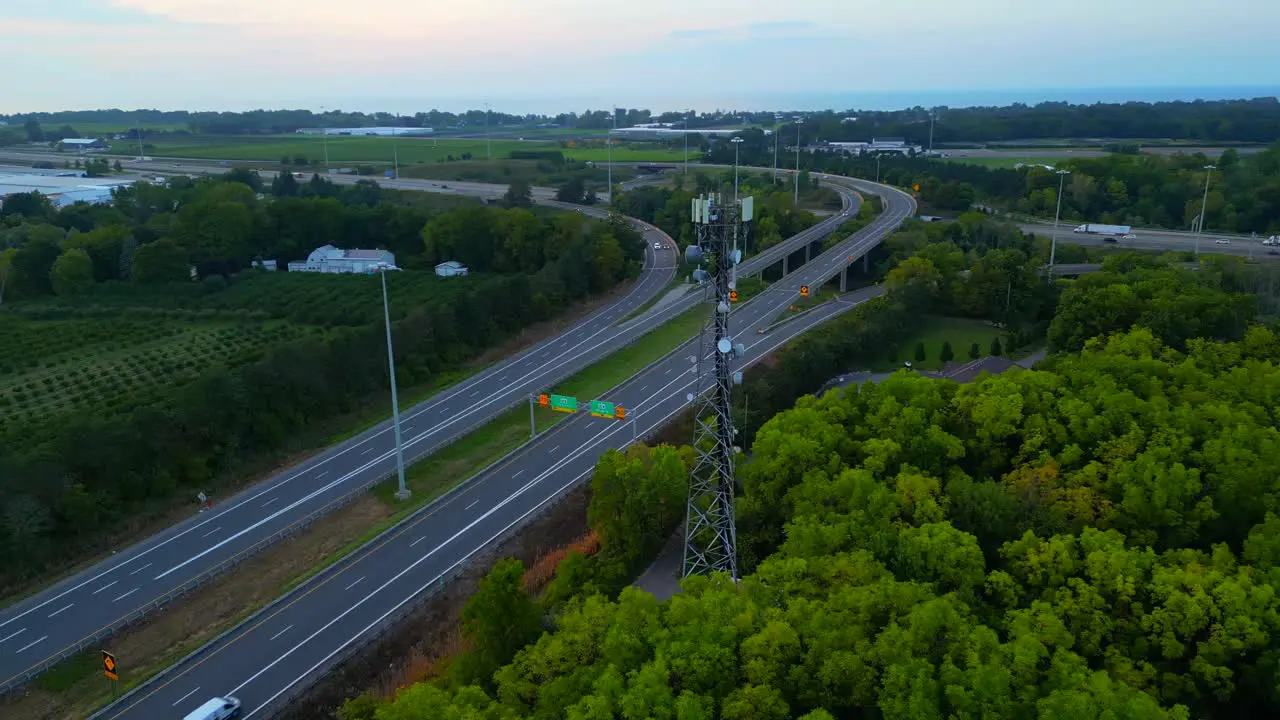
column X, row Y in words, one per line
column 184, row 697
column 516, row 474
column 144, row 567
column 14, row 635
column 425, row 435
column 321, row 474
column 415, row 542
column 477, row 392
column 642, row 388
column 273, row 637
column 33, row 642
column 211, row 532
column 274, row 499
column 555, row 448
column 473, row 504
column 104, row 587
column 121, row 597
column 669, row 370
column 357, row 582
column 64, row 607
column 367, row 450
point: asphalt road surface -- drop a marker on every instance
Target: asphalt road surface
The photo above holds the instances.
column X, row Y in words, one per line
column 55, row 622
column 1163, row 240
column 265, row 660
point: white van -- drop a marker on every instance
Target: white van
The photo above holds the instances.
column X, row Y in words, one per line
column 219, row 708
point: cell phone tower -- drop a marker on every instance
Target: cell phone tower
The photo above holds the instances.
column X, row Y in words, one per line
column 710, row 538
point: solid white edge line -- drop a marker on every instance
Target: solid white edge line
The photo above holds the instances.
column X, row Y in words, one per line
column 184, row 697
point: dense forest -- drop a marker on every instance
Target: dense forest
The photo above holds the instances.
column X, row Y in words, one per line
column 1095, row 538
column 132, row 387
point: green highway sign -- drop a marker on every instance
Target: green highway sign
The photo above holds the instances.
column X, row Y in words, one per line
column 600, row 408
column 564, row 403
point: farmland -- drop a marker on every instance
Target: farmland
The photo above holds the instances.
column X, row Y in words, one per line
column 60, row 367
column 375, row 149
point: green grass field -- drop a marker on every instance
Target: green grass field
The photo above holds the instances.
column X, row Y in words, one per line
column 508, row 171
column 377, row 149
column 1009, row 161
column 933, row 330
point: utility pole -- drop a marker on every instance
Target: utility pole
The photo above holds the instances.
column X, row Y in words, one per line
column 799, row 122
column 1053, row 247
column 1204, row 205
column 403, row 492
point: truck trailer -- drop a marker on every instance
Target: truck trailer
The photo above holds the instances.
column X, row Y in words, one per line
column 1096, row 229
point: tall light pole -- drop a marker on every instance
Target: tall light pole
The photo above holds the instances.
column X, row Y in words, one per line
column 1053, row 246
column 686, row 141
column 324, row 133
column 877, row 167
column 799, row 122
column 1204, row 205
column 933, row 115
column 395, row 149
column 777, row 122
column 737, row 141
column 488, row 144
column 609, row 149
column 402, row 493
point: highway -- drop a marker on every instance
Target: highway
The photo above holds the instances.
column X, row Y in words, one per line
column 278, row 652
column 76, row 612
column 1172, row 240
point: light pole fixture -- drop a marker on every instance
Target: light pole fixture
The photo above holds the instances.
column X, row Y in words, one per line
column 799, row 122
column 737, row 142
column 324, row 133
column 686, row 141
column 1053, row 246
column 488, row 143
column 402, row 493
column 777, row 123
column 1204, row 205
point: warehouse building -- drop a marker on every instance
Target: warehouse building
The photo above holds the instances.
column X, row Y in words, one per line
column 61, row 190
column 82, row 144
column 330, row 259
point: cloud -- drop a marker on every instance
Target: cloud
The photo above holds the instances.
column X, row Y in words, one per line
column 782, row 27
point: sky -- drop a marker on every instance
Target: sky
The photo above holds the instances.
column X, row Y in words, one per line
column 547, row 56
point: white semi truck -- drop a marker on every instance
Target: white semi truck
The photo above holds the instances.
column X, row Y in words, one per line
column 1110, row 230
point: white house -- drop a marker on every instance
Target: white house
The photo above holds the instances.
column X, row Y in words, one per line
column 329, row 259
column 451, row 268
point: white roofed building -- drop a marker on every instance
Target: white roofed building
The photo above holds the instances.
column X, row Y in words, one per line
column 330, row 259
column 451, row 268
column 82, row 144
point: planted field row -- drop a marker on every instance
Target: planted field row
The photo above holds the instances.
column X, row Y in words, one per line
column 112, row 376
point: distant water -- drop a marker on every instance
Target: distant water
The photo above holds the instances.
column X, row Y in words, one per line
column 850, row 100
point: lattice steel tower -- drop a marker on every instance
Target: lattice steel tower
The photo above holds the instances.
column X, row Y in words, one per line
column 710, row 539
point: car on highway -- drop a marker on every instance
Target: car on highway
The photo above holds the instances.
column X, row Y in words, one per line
column 1130, row 236
column 219, row 708
column 1222, row 241
column 657, row 246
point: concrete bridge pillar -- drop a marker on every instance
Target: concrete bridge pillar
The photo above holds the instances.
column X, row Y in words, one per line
column 807, row 248
column 786, row 265
column 844, row 278
column 866, row 263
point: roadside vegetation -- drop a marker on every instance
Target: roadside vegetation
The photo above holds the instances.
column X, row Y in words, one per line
column 919, row 548
column 137, row 387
